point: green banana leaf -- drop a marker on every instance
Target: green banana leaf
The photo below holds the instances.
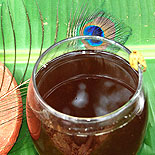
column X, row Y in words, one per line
column 37, row 24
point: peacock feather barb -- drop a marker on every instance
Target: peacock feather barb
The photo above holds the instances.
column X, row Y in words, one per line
column 101, row 24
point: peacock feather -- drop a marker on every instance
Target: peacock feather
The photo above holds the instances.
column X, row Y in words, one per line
column 101, row 24
column 86, row 21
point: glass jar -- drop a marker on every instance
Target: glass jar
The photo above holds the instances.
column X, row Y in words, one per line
column 57, row 130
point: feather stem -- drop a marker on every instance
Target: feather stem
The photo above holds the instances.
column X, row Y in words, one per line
column 14, row 36
column 3, row 39
column 42, row 26
column 29, row 24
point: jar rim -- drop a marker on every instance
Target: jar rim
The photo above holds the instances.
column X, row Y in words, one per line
column 85, row 120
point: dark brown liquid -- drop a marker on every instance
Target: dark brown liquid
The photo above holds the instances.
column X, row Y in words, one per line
column 88, row 85
column 88, row 96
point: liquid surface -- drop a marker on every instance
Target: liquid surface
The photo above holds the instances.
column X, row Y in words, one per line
column 88, row 96
column 85, row 85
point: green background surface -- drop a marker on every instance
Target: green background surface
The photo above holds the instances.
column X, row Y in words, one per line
column 138, row 14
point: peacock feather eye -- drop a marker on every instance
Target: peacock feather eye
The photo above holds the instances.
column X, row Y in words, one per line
column 93, row 30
